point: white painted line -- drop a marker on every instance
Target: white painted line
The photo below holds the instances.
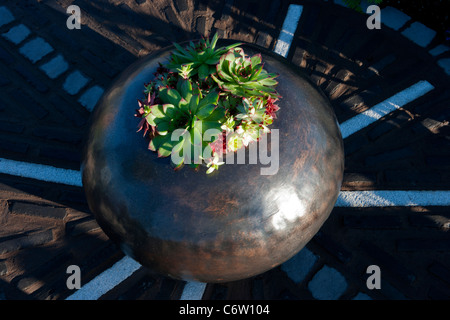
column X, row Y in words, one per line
column 287, row 32
column 40, row 172
column 378, row 111
column 106, row 280
column 392, row 198
column 193, row 291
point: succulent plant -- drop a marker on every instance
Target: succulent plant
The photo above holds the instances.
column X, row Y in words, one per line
column 163, row 78
column 244, row 76
column 253, row 122
column 202, row 88
column 142, row 113
column 271, row 107
column 201, row 57
column 185, row 108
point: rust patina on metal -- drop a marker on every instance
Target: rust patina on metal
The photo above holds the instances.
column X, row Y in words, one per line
column 232, row 224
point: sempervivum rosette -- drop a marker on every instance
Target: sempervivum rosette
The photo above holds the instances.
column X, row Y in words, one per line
column 244, row 76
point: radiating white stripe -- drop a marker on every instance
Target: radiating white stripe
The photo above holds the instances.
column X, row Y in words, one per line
column 193, row 291
column 40, row 172
column 106, row 280
column 288, row 30
column 389, row 105
column 393, row 198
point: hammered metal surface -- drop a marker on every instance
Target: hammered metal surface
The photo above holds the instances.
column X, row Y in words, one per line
column 227, row 226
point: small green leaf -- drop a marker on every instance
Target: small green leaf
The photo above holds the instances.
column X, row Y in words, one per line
column 162, row 119
column 169, row 110
column 247, row 63
column 264, row 75
column 182, row 54
column 268, row 82
column 256, row 72
column 165, row 149
column 218, row 81
column 151, row 145
column 196, row 135
column 179, row 48
column 212, row 60
column 256, row 59
column 193, row 105
column 258, row 116
column 183, row 106
column 234, row 45
column 169, row 96
column 211, row 98
column 224, row 75
column 207, row 125
column 184, row 87
column 214, row 40
column 203, row 71
column 231, row 55
column 260, row 87
column 150, row 119
column 157, row 141
column 163, row 127
column 202, row 56
column 158, row 111
column 234, row 89
column 217, row 114
column 205, row 111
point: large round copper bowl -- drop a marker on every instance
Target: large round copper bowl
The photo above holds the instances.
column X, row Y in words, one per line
column 230, row 225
